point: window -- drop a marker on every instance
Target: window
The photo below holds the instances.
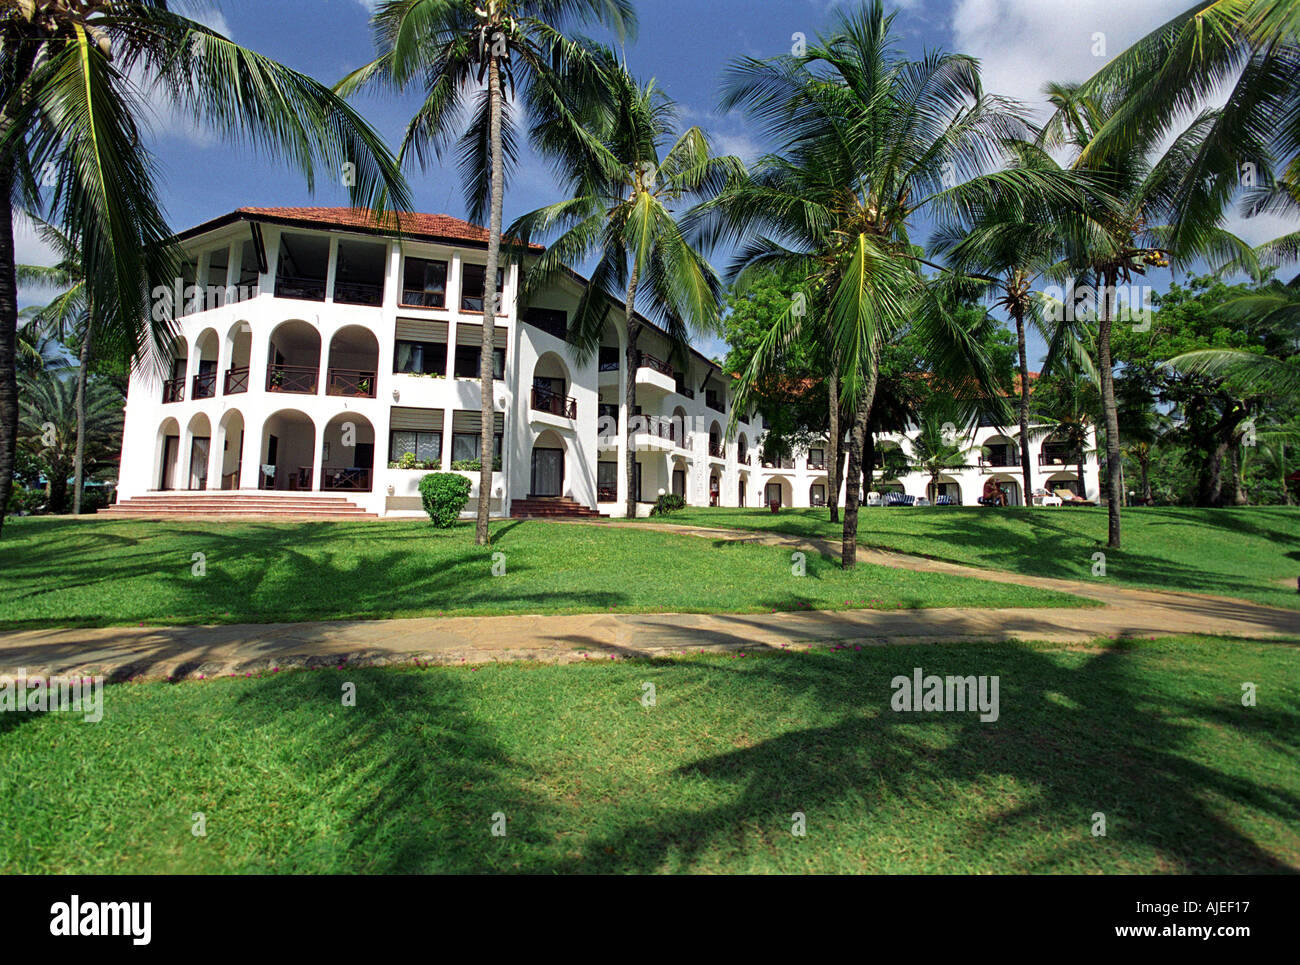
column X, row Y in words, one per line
column 424, row 283
column 359, row 273
column 467, row 357
column 472, row 291
column 552, row 321
column 426, row 446
column 607, row 481
column 465, row 447
column 420, row 358
column 817, row 458
column 608, row 359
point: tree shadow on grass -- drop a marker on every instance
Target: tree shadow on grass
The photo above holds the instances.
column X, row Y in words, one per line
column 1080, row 741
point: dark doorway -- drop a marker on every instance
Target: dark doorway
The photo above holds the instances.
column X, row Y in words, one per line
column 548, row 472
column 679, row 482
column 199, row 448
column 170, row 446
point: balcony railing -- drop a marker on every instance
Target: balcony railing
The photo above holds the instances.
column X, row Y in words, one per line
column 358, row 293
column 779, row 464
column 346, row 480
column 544, row 400
column 686, row 390
column 300, row 379
column 713, row 403
column 418, row 298
column 205, row 385
column 174, row 390
column 1057, row 458
column 307, row 289
column 659, row 365
column 717, row 450
column 605, row 409
column 999, row 462
column 355, row 383
column 236, row 379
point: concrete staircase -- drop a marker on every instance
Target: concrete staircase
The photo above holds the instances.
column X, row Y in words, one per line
column 267, row 505
column 550, row 507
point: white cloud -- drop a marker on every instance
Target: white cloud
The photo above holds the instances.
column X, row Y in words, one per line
column 1023, row 44
column 164, row 118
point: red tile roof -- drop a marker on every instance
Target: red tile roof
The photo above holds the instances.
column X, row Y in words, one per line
column 413, row 224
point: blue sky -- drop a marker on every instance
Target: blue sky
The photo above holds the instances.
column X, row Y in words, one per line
column 685, row 44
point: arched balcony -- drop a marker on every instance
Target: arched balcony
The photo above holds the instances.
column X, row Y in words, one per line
column 353, row 363
column 293, row 359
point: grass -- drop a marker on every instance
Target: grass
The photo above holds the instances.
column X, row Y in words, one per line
column 1251, row 553
column 1152, row 734
column 67, row 572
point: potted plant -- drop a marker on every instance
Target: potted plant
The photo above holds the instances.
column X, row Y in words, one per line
column 774, row 505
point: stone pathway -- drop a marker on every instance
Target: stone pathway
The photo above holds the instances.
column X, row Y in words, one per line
column 122, row 652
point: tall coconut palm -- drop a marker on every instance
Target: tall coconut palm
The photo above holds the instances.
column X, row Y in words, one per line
column 71, row 146
column 627, row 180
column 938, row 445
column 1063, row 410
column 1248, row 49
column 495, row 59
column 869, row 143
column 1127, row 240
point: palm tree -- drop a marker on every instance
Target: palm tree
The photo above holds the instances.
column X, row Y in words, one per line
column 869, row 143
column 936, row 448
column 1127, row 240
column 626, row 180
column 1063, row 411
column 493, row 58
column 53, row 427
column 70, row 145
column 1248, row 50
column 67, row 316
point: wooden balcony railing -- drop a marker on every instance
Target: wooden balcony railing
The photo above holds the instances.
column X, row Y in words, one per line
column 205, row 385
column 1059, row 458
column 544, row 400
column 999, row 462
column 307, row 289
column 418, row 298
column 236, row 379
column 356, row 383
column 684, row 389
column 346, row 480
column 300, row 379
column 659, row 365
column 358, row 293
column 174, row 390
column 717, row 449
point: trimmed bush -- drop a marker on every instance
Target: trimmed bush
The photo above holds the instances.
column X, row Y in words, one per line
column 444, row 495
column 668, row 503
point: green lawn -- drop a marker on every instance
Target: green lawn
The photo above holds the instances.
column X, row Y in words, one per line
column 1252, row 553
column 1152, row 734
column 67, row 572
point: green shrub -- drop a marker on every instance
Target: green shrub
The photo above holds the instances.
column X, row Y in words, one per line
column 444, row 495
column 474, row 465
column 668, row 503
column 23, row 501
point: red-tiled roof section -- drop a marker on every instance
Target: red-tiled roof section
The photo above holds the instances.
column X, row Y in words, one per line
column 413, row 223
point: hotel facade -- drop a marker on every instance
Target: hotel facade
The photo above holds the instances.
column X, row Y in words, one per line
column 322, row 362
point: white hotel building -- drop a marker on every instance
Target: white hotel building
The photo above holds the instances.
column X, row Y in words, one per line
column 317, row 357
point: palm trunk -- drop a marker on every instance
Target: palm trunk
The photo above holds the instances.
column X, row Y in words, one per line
column 1114, row 479
column 1281, row 469
column 852, row 493
column 8, row 339
column 488, row 344
column 1144, row 466
column 833, row 444
column 79, row 454
column 1024, row 410
column 633, row 362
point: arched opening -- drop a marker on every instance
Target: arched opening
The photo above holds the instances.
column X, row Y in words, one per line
column 205, row 378
column 548, row 469
column 717, row 446
column 174, row 386
column 551, row 387
column 678, row 475
column 742, row 449
column 1003, row 486
column 778, row 489
column 1002, row 452
column 167, row 455
column 715, row 488
column 743, row 489
column 239, row 352
column 231, row 437
column 199, row 451
column 817, row 492
column 1068, row 481
column 293, row 358
column 348, row 454
column 288, row 448
column 679, row 428
column 945, row 492
column 353, row 363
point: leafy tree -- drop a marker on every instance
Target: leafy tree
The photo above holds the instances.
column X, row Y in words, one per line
column 48, row 421
column 1065, row 408
column 938, row 445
